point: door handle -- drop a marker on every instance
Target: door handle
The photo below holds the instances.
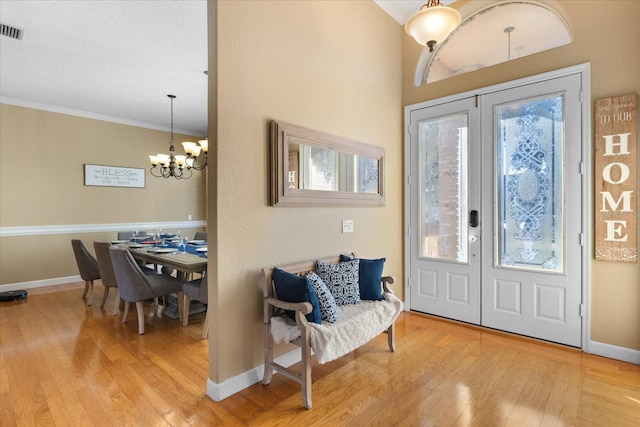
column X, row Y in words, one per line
column 473, row 218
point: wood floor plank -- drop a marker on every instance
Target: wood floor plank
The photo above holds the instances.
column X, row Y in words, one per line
column 64, row 363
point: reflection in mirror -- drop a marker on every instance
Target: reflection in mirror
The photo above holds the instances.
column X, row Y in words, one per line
column 323, row 169
column 318, row 168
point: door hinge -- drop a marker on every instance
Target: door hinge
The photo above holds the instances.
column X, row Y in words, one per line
column 581, row 168
column 581, row 310
column 581, row 239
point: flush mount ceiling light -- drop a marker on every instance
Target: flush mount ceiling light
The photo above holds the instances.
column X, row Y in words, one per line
column 432, row 23
column 179, row 166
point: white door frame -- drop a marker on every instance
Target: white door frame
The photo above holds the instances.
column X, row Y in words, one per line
column 587, row 186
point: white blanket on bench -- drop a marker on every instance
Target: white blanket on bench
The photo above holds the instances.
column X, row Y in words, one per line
column 357, row 324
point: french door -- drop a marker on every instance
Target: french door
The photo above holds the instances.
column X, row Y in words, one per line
column 495, row 206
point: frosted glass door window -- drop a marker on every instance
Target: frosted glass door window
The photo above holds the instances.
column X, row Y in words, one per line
column 443, row 188
column 530, row 184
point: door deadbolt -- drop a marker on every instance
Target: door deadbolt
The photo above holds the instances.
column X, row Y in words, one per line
column 473, row 218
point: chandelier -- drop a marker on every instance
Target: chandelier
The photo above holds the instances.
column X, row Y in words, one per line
column 177, row 165
column 432, row 24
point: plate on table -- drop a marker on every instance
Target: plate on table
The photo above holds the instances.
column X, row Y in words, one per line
column 136, row 245
column 162, row 250
column 197, row 242
column 167, row 236
column 117, row 242
column 202, row 249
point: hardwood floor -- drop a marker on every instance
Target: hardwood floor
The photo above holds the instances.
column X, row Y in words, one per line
column 64, row 364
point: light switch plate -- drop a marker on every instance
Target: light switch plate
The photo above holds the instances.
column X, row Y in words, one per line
column 347, row 226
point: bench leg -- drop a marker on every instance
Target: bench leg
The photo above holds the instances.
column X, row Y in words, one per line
column 268, row 355
column 391, row 338
column 306, row 370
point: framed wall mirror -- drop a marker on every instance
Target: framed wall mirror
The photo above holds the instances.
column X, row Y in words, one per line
column 312, row 168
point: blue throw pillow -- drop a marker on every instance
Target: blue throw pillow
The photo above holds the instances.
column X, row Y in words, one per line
column 293, row 288
column 370, row 277
column 328, row 306
column 341, row 279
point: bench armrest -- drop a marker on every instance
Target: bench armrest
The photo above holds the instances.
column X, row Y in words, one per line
column 387, row 280
column 303, row 307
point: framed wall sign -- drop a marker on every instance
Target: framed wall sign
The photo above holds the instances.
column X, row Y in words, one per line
column 616, row 178
column 113, row 176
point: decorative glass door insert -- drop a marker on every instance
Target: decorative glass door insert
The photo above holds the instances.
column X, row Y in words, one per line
column 530, row 184
column 443, row 188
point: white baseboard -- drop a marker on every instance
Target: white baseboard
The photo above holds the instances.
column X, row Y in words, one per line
column 614, row 352
column 40, row 283
column 233, row 385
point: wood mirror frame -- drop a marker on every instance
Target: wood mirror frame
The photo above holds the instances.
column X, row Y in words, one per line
column 285, row 138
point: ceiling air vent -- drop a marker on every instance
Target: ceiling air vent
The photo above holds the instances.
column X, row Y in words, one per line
column 9, row 31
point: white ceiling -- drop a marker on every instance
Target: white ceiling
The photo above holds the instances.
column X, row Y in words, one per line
column 116, row 59
column 401, row 10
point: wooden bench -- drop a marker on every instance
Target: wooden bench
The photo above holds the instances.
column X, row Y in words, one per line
column 275, row 307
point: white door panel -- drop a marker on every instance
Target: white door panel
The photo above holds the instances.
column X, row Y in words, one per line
column 531, row 283
column 495, row 202
column 444, row 259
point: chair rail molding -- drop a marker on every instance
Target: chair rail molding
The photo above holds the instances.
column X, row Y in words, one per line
column 40, row 230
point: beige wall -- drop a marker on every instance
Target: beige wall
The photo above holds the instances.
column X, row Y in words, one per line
column 606, row 34
column 42, row 184
column 329, row 66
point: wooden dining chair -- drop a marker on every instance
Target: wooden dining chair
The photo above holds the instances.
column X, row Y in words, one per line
column 198, row 290
column 88, row 268
column 135, row 286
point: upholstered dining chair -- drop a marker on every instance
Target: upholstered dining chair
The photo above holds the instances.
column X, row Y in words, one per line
column 107, row 274
column 200, row 235
column 198, row 290
column 135, row 286
column 88, row 268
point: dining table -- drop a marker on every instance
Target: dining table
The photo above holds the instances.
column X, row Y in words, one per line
column 171, row 254
column 186, row 260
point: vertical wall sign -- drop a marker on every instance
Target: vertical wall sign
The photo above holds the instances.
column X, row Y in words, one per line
column 616, row 178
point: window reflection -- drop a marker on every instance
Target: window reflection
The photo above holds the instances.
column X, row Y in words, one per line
column 323, row 169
